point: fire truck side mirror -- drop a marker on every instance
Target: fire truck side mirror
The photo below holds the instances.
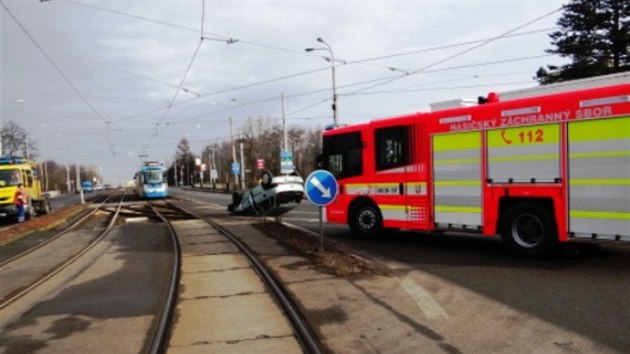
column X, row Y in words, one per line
column 319, row 162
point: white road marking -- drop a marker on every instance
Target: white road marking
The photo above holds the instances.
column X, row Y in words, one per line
column 427, row 304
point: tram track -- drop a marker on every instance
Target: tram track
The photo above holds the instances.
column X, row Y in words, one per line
column 101, row 254
column 31, row 303
column 69, row 228
column 302, row 331
column 21, row 290
column 161, row 332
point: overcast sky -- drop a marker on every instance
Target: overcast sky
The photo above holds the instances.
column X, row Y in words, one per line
column 103, row 82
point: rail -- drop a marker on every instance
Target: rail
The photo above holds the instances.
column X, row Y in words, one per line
column 304, row 334
column 58, row 268
column 59, row 234
column 161, row 334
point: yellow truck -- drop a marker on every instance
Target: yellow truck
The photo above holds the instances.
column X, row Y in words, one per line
column 15, row 170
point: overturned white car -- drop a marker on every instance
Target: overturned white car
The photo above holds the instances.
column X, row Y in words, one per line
column 273, row 197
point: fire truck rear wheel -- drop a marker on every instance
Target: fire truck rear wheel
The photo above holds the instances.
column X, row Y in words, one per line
column 366, row 220
column 528, row 229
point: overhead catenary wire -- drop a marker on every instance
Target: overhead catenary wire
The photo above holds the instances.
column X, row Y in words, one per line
column 170, row 105
column 52, row 62
column 231, row 40
column 465, row 51
column 174, row 119
column 448, row 46
column 260, row 83
column 110, row 67
column 510, row 34
column 365, row 82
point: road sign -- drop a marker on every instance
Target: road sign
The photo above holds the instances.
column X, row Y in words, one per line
column 260, row 164
column 286, row 162
column 321, row 187
column 236, row 168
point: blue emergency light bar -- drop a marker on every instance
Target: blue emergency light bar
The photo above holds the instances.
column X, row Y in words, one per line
column 12, row 160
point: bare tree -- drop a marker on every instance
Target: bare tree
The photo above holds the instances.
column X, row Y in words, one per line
column 263, row 139
column 16, row 141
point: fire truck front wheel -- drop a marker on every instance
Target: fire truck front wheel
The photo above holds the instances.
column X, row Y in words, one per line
column 366, row 220
column 528, row 229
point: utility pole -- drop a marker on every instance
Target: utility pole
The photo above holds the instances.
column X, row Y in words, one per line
column 233, row 152
column 240, row 137
column 76, row 167
column 45, row 168
column 284, row 126
column 176, row 181
column 68, row 185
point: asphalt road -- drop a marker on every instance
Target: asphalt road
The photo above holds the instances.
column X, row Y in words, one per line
column 582, row 292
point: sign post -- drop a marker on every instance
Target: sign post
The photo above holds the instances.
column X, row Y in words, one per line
column 321, row 189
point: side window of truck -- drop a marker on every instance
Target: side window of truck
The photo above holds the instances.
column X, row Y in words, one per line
column 29, row 178
column 392, row 147
column 343, row 154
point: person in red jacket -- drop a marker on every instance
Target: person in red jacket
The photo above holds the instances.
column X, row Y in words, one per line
column 20, row 202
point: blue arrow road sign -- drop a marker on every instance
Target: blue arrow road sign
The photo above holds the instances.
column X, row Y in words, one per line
column 321, row 187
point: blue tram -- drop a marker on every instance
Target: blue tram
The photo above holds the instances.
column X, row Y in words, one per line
column 151, row 181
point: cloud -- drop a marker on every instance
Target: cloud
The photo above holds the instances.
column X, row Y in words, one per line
column 127, row 58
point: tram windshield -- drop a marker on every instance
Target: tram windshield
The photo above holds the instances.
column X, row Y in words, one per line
column 154, row 176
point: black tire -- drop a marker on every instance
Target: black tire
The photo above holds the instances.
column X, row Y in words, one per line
column 366, row 220
column 529, row 229
column 236, row 198
column 43, row 207
column 265, row 178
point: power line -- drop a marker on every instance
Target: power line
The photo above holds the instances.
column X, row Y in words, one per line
column 467, row 50
column 435, row 88
column 76, row 90
column 448, row 46
column 365, row 82
column 381, row 81
column 482, row 41
column 192, row 60
column 127, row 72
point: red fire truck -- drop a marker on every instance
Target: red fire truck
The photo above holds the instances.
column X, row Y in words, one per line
column 536, row 170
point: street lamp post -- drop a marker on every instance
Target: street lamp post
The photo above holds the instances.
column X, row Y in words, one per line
column 332, row 66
